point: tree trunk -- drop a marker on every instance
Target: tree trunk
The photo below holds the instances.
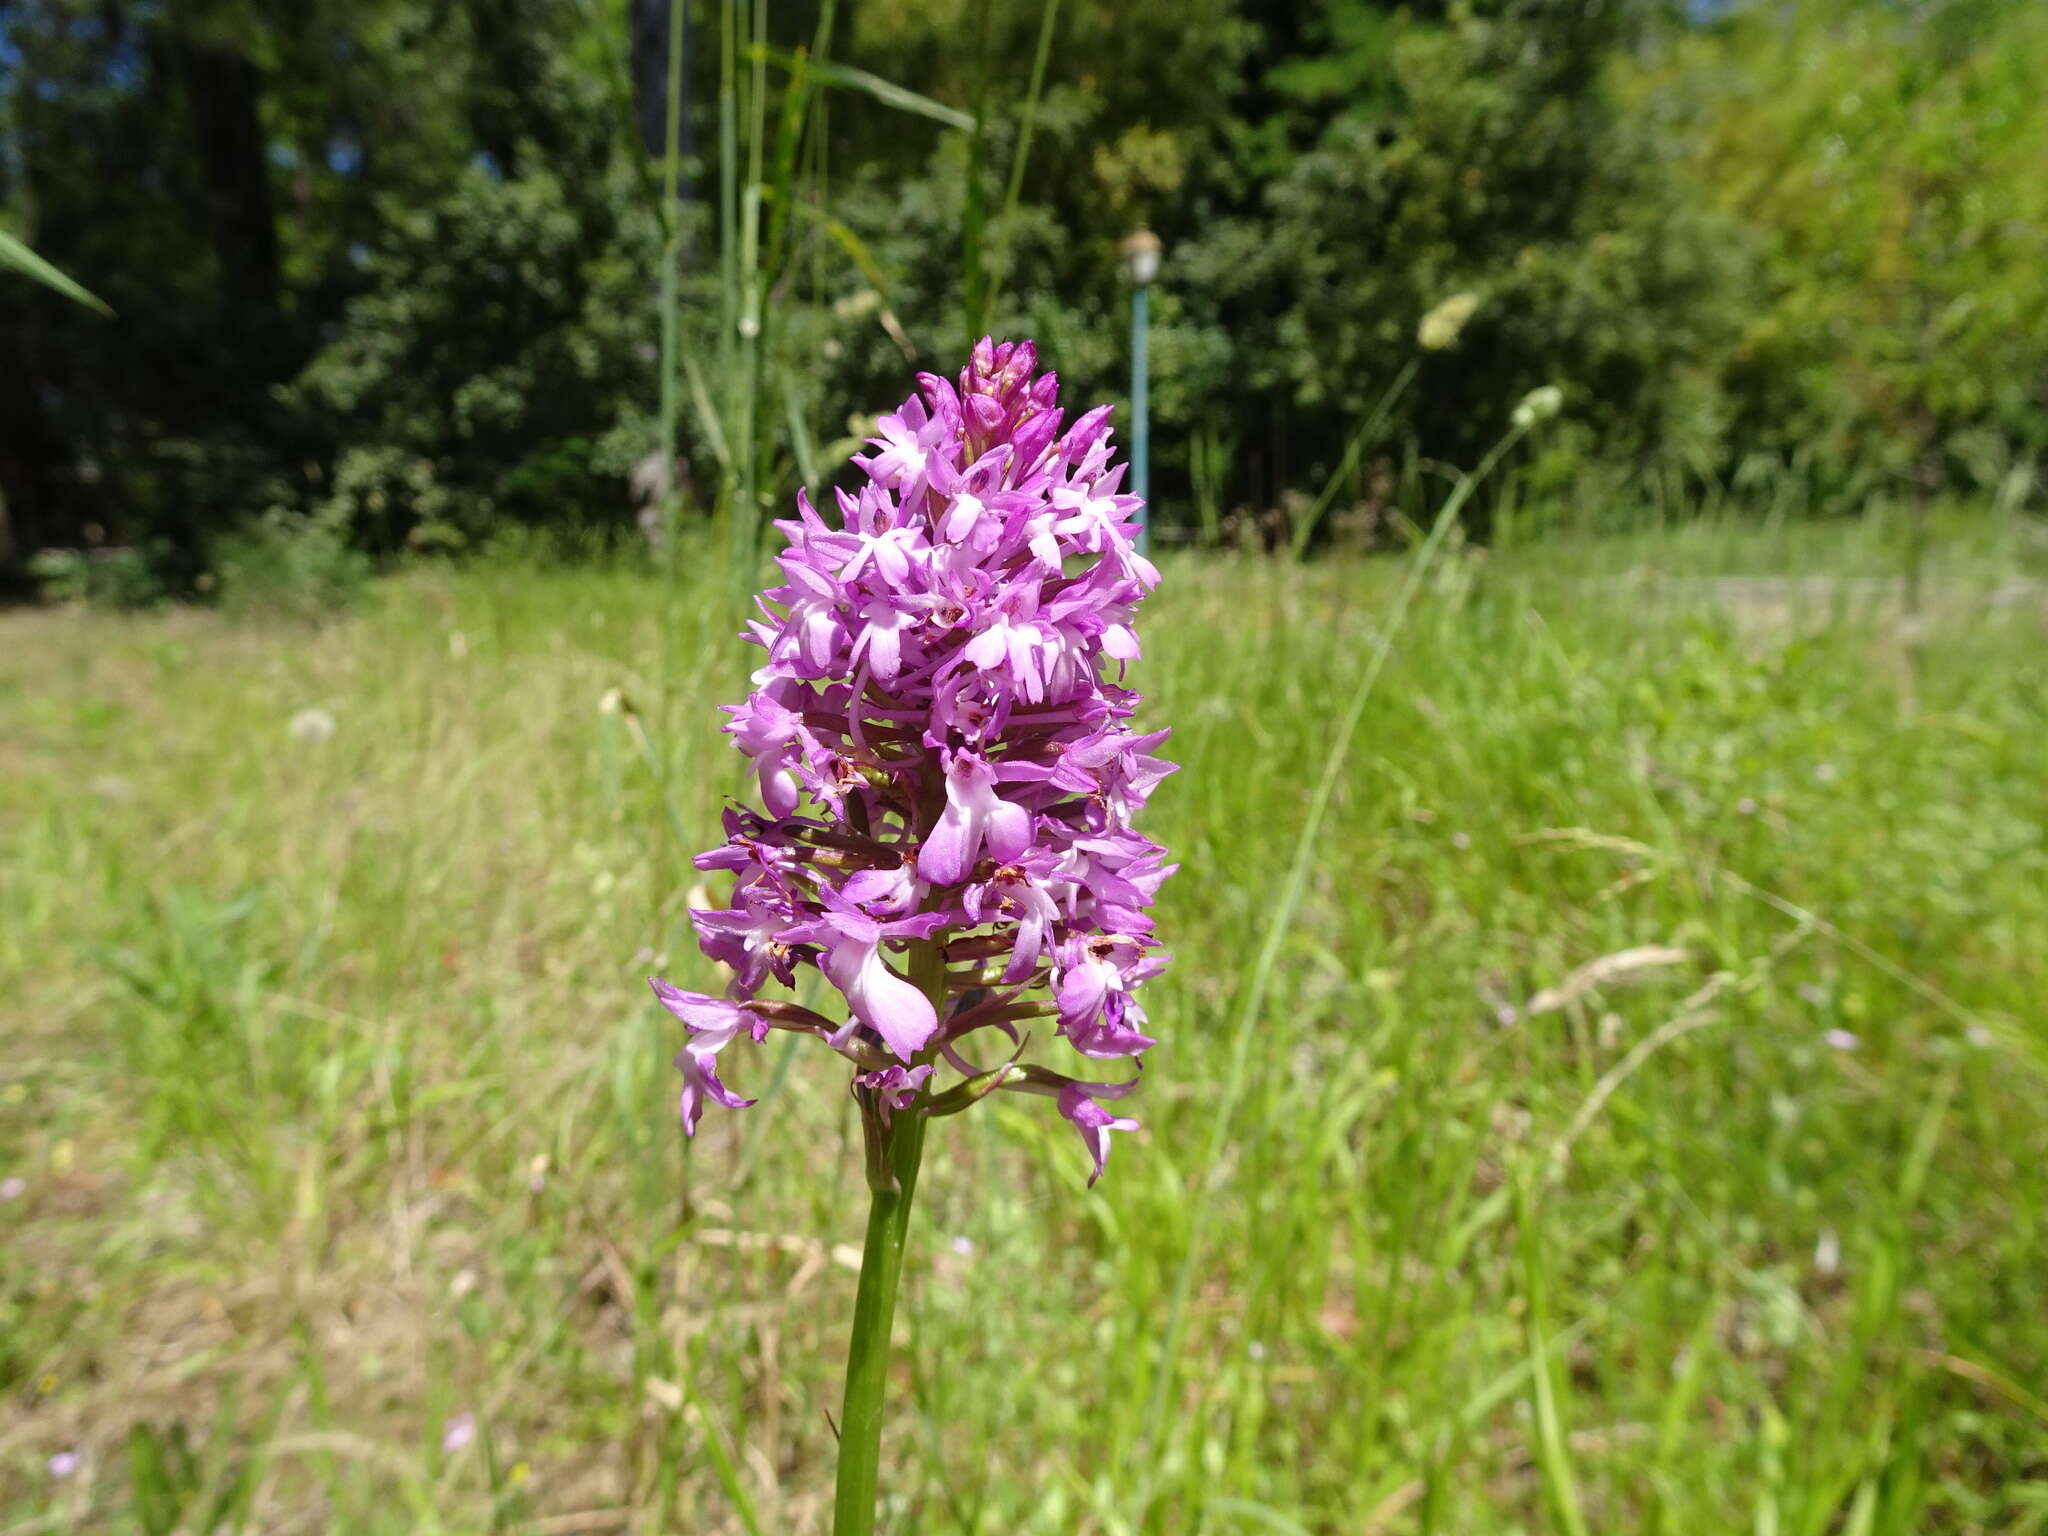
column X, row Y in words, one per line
column 224, row 90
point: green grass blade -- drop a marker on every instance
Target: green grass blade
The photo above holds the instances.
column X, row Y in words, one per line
column 1252, row 995
column 18, row 256
column 1305, row 526
column 727, row 1471
column 1259, row 1516
column 707, row 412
column 801, row 442
column 1553, row 1454
column 847, row 78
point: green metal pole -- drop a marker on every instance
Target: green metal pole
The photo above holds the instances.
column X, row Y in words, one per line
column 1141, row 426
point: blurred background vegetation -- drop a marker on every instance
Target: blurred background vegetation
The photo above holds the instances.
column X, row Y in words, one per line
column 386, row 274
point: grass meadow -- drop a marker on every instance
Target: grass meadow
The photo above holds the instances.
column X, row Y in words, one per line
column 1640, row 1129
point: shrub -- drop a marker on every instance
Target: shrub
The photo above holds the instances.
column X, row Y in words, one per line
column 289, row 562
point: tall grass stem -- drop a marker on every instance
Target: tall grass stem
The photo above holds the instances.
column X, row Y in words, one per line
column 1252, row 997
column 999, row 260
column 671, row 280
column 1305, row 526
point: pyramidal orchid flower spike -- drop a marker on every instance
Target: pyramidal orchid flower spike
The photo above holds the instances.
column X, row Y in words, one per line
column 941, row 736
column 947, row 772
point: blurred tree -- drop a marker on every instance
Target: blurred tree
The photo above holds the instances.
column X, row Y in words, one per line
column 1891, row 161
column 1477, row 149
column 390, row 264
column 485, row 370
column 233, row 178
column 1323, row 172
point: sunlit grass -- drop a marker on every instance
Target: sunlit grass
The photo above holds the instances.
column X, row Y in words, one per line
column 340, row 1109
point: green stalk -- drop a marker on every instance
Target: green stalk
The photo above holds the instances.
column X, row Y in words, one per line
column 728, row 249
column 671, row 261
column 745, row 432
column 1305, row 528
column 974, row 214
column 792, row 138
column 874, row 1310
column 999, row 264
column 1251, row 999
column 894, row 1153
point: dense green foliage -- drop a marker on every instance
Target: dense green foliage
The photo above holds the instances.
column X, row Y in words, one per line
column 1890, row 159
column 389, row 269
column 340, row 1109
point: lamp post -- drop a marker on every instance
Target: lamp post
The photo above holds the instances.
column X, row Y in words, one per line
column 1141, row 263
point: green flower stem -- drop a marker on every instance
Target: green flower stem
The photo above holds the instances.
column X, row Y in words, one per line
column 895, row 1153
column 867, row 1362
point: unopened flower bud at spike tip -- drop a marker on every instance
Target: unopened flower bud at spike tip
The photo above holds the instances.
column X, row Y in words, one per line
column 1540, row 404
column 941, row 743
column 1443, row 325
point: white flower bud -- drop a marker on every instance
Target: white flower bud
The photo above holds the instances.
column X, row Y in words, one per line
column 1442, row 326
column 1540, row 404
